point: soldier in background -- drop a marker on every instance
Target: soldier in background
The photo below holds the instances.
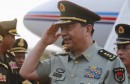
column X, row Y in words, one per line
column 19, row 51
column 6, row 59
column 123, row 45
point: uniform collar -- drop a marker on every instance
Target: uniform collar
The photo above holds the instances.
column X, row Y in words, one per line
column 91, row 52
column 88, row 54
column 71, row 57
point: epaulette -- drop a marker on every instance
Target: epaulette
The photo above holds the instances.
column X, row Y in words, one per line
column 62, row 54
column 4, row 65
column 10, row 54
column 107, row 54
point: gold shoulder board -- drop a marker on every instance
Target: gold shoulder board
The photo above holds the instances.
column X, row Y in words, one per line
column 107, row 54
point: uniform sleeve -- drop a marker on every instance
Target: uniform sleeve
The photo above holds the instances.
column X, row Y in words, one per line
column 117, row 73
column 43, row 69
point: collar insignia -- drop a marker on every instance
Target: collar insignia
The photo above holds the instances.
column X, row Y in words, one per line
column 13, row 65
column 60, row 70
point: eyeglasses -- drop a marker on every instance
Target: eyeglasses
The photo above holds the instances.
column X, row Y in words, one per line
column 123, row 48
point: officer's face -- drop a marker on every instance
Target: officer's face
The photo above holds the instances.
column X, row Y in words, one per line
column 19, row 57
column 123, row 51
column 74, row 36
column 8, row 41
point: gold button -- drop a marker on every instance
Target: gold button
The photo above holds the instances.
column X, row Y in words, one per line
column 72, row 76
column 76, row 62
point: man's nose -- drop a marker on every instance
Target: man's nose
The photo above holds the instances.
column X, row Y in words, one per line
column 119, row 52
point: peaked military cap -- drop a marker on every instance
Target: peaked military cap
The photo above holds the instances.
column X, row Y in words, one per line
column 10, row 27
column 123, row 32
column 71, row 12
column 20, row 46
column 2, row 33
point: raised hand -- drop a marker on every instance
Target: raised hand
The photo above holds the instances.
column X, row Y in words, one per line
column 50, row 35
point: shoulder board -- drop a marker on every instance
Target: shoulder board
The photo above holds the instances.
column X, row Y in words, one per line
column 9, row 55
column 4, row 65
column 107, row 54
column 62, row 54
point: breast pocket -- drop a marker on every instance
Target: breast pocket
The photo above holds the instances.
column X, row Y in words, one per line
column 89, row 81
column 57, row 78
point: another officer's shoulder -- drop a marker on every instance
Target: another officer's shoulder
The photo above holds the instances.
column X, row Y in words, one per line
column 9, row 55
column 61, row 54
column 104, row 53
column 5, row 66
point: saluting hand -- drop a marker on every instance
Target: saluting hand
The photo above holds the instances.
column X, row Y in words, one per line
column 50, row 35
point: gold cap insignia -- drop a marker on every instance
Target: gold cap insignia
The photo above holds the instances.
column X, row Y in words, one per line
column 62, row 7
column 21, row 42
column 121, row 30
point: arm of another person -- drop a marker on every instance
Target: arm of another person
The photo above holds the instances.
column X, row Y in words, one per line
column 28, row 69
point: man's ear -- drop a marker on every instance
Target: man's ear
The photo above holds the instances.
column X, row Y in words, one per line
column 89, row 28
column 86, row 29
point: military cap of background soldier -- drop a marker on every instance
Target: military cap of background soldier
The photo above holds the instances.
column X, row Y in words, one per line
column 2, row 34
column 123, row 32
column 9, row 27
column 20, row 46
column 71, row 13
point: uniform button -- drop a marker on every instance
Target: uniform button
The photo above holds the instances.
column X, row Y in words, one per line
column 76, row 62
column 72, row 76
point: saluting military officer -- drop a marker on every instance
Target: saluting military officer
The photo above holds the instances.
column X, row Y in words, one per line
column 19, row 51
column 87, row 63
column 7, row 59
column 123, row 45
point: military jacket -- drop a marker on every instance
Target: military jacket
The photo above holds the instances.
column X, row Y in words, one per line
column 6, row 69
column 95, row 66
column 20, row 80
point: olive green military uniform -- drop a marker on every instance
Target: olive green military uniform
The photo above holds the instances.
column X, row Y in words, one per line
column 20, row 46
column 3, row 66
column 7, row 61
column 95, row 66
column 7, row 67
column 20, row 80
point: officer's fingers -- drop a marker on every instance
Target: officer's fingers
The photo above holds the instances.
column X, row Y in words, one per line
column 53, row 28
column 57, row 35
